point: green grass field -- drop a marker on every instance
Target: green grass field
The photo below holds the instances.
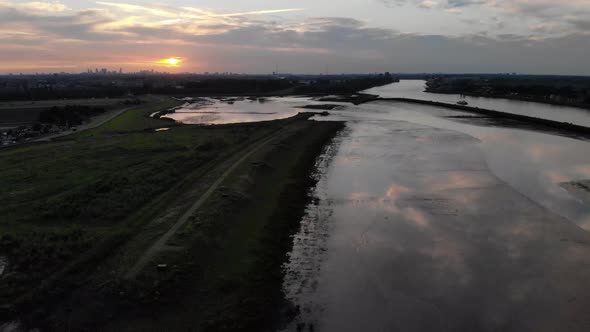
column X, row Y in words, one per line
column 61, row 199
column 79, row 178
column 137, row 119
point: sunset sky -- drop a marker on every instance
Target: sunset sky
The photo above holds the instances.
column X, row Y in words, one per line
column 304, row 36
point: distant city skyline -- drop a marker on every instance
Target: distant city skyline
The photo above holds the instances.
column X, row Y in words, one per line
column 466, row 36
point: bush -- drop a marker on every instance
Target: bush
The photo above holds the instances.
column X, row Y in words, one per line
column 69, row 115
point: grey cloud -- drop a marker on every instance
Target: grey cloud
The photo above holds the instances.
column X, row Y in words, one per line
column 549, row 17
column 382, row 49
column 465, row 3
column 392, row 3
column 580, row 24
column 336, row 21
column 79, row 25
column 421, row 3
column 347, row 44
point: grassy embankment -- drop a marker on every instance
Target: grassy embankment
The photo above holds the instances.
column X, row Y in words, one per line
column 560, row 91
column 227, row 276
column 77, row 207
column 66, row 199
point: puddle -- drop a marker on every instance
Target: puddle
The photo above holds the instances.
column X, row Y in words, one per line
column 224, row 111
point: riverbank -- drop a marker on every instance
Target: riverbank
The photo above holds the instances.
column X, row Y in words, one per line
column 550, row 90
column 561, row 127
column 230, row 253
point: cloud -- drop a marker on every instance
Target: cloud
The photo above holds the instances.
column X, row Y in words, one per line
column 259, row 12
column 188, row 12
column 136, row 8
column 465, row 3
column 133, row 36
column 51, row 7
column 428, row 4
column 544, row 18
column 580, row 24
column 37, row 7
column 534, row 8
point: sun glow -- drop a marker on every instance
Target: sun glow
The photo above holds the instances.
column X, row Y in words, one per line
column 173, row 62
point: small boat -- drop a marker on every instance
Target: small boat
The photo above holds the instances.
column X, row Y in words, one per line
column 462, row 103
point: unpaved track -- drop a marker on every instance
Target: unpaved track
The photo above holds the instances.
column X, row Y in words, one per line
column 94, row 123
column 159, row 245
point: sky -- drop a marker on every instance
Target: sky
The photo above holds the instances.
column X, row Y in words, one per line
column 304, row 36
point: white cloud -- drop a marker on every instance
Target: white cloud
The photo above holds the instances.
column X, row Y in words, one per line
column 37, row 7
column 428, row 4
column 51, row 7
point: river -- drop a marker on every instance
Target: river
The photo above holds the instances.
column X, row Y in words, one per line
column 425, row 221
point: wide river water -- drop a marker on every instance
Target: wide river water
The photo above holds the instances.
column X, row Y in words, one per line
column 428, row 219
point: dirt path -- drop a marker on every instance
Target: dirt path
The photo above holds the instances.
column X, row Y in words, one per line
column 149, row 254
column 94, row 123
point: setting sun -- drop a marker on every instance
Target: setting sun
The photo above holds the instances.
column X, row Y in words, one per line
column 170, row 62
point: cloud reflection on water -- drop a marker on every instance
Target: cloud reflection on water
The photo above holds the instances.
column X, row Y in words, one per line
column 214, row 112
column 429, row 239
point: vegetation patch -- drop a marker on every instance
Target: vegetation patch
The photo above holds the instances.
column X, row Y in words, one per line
column 69, row 115
column 67, row 205
column 222, row 270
